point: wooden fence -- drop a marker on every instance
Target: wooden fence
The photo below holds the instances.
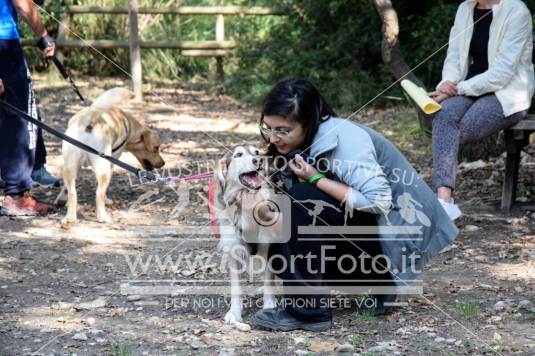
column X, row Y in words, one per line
column 217, row 48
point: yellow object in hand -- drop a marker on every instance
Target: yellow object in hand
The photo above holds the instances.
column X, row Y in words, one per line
column 420, row 97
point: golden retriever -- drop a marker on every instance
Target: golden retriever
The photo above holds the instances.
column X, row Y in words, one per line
column 243, row 170
column 110, row 130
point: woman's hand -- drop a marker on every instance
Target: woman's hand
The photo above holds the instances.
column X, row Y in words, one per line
column 438, row 96
column 448, row 87
column 301, row 168
column 1, row 87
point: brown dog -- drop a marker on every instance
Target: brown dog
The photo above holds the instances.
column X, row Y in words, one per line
column 109, row 130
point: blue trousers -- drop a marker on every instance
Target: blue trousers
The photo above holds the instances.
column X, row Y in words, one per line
column 18, row 138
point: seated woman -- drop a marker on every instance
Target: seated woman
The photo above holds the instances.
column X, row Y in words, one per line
column 384, row 214
column 487, row 83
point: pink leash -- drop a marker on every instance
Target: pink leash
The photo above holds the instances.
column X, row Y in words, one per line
column 178, row 179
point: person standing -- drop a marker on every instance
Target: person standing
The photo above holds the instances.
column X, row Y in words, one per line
column 18, row 138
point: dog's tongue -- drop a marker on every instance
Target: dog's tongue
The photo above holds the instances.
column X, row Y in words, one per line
column 252, row 180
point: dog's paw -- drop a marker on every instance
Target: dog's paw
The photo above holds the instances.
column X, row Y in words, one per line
column 104, row 218
column 232, row 317
column 69, row 220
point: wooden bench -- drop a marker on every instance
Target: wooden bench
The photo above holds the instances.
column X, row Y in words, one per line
column 516, row 138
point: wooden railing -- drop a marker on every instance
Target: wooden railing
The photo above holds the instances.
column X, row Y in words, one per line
column 217, row 48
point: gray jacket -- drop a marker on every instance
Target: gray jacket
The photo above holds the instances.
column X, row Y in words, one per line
column 411, row 220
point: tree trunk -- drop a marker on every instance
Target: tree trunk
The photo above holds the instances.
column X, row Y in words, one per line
column 390, row 50
column 394, row 61
column 392, row 57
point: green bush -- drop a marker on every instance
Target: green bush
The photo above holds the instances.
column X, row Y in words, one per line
column 319, row 41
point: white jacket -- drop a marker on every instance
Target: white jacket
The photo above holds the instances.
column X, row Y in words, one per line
column 510, row 75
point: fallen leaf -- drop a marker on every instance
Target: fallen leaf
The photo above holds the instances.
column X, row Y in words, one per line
column 321, row 346
column 100, row 302
column 115, row 312
column 209, row 342
column 242, row 326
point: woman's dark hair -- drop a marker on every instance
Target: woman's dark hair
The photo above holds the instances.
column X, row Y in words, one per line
column 298, row 100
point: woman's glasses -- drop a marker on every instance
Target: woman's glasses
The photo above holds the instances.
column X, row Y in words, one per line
column 279, row 133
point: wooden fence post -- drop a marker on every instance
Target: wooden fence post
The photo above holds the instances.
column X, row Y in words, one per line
column 135, row 50
column 220, row 37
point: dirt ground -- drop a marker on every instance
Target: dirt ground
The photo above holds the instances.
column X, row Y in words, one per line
column 72, row 290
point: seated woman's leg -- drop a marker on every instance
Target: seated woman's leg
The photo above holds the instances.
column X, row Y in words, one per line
column 308, row 273
column 446, row 138
column 484, row 118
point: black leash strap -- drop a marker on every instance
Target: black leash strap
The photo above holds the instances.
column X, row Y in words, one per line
column 66, row 76
column 138, row 172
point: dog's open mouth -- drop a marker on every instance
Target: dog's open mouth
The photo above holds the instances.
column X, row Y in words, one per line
column 251, row 180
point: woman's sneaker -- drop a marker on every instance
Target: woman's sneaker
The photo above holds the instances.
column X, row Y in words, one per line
column 278, row 319
column 23, row 205
column 451, row 209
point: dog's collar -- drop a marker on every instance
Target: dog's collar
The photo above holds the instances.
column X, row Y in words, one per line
column 127, row 129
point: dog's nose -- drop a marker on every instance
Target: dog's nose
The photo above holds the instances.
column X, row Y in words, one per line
column 255, row 161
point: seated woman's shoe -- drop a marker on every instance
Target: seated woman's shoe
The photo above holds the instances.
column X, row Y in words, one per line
column 278, row 319
column 452, row 209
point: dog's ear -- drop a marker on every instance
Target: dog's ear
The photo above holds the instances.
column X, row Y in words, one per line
column 220, row 176
column 150, row 140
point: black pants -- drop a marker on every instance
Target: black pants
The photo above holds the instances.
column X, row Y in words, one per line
column 18, row 138
column 40, row 151
column 307, row 273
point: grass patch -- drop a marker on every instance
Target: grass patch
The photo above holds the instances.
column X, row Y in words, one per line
column 357, row 340
column 366, row 317
column 530, row 315
column 468, row 345
column 415, row 344
column 468, row 309
column 121, row 350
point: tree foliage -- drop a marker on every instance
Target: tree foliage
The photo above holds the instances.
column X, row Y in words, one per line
column 334, row 43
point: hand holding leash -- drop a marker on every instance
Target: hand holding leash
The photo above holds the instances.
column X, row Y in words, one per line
column 47, row 45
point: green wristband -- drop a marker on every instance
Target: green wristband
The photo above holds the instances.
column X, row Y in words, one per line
column 314, row 179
